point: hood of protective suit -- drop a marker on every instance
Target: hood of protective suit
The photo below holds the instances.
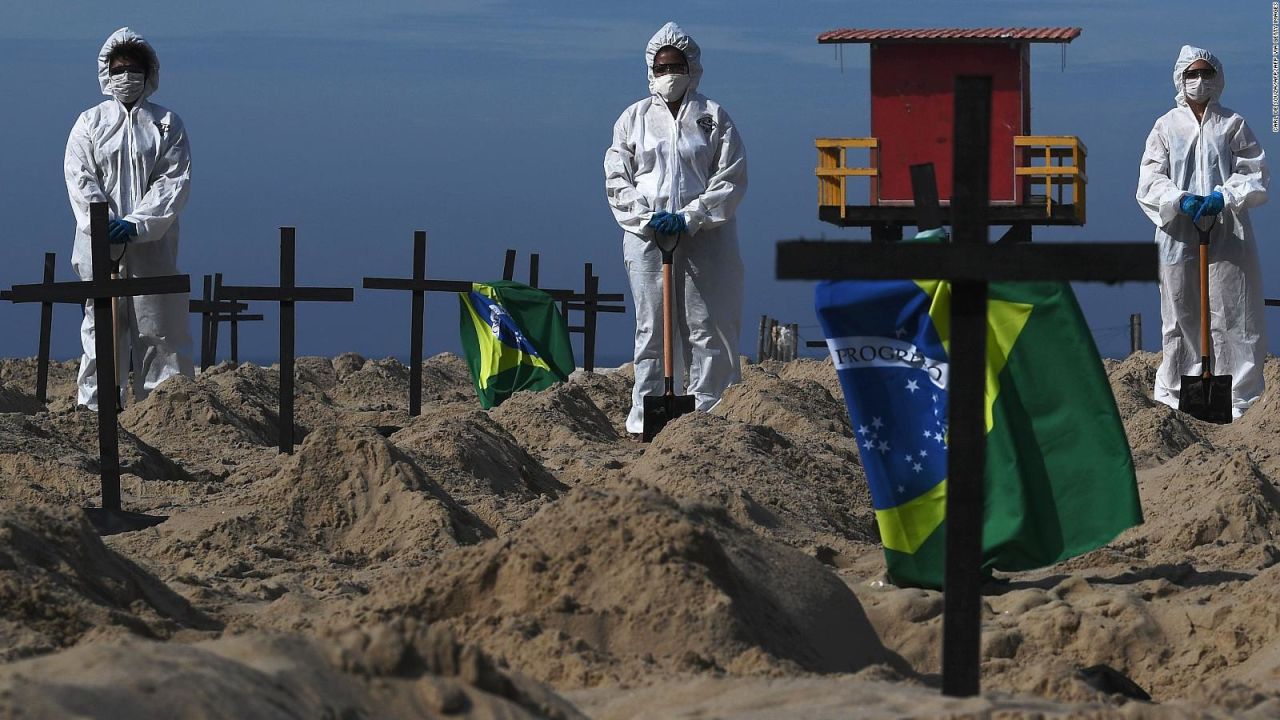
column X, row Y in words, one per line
column 117, row 37
column 1189, row 55
column 672, row 35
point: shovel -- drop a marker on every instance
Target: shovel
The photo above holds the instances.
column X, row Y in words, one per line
column 1206, row 396
column 662, row 409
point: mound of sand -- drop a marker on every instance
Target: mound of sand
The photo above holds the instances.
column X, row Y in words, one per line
column 346, row 504
column 384, row 384
column 252, row 394
column 1210, row 508
column 59, row 584
column 821, row 371
column 612, row 585
column 1156, row 624
column 190, row 422
column 354, row 492
column 610, row 391
column 382, row 672
column 765, row 480
column 53, row 458
column 802, row 409
column 479, row 464
column 19, row 374
column 14, row 401
column 539, row 531
column 1157, row 433
column 567, row 432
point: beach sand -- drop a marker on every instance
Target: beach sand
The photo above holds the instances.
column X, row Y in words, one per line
column 530, row 561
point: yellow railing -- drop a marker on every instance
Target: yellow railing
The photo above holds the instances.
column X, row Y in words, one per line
column 1053, row 174
column 833, row 172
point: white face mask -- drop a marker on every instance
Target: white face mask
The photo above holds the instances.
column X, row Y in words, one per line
column 671, row 87
column 127, row 87
column 1196, row 89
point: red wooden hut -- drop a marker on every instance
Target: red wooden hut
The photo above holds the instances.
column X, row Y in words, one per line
column 1035, row 179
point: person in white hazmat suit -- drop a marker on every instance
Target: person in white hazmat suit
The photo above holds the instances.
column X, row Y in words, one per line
column 677, row 166
column 1202, row 158
column 134, row 155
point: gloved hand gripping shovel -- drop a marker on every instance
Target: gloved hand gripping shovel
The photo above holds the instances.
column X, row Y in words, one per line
column 662, row 409
column 1206, row 396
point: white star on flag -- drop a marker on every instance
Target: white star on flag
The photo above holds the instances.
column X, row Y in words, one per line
column 908, row 458
column 868, row 444
column 913, row 386
column 884, row 446
column 924, row 453
column 917, row 467
column 863, row 430
column 877, row 423
column 928, row 434
column 937, row 436
column 902, row 489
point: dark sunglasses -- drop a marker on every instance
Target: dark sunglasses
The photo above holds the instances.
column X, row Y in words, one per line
column 1200, row 73
column 121, row 69
column 671, row 68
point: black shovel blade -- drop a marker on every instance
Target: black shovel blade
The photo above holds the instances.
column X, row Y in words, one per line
column 662, row 409
column 1206, row 398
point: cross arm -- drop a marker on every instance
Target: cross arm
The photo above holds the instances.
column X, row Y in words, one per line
column 295, row 294
column 379, row 283
column 78, row 292
column 204, row 306
column 1082, row 262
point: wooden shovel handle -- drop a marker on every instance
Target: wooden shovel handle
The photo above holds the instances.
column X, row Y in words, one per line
column 668, row 337
column 1205, row 350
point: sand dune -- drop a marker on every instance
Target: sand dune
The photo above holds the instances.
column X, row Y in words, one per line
column 521, row 561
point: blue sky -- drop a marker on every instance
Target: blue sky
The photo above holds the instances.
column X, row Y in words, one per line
column 485, row 122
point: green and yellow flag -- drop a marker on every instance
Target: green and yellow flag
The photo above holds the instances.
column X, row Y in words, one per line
column 514, row 338
column 1059, row 475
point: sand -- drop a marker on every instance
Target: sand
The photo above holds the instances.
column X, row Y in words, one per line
column 531, row 561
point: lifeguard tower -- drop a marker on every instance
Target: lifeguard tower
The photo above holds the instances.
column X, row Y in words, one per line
column 1035, row 179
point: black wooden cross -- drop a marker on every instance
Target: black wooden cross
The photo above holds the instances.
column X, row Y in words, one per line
column 509, row 265
column 970, row 262
column 419, row 285
column 288, row 294
column 589, row 302
column 46, row 329
column 110, row 518
column 209, row 310
column 213, row 311
column 233, row 317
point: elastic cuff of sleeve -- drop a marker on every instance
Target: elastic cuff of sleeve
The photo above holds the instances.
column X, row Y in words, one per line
column 139, row 225
column 1228, row 199
column 693, row 221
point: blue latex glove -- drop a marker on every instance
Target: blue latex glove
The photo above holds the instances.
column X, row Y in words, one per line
column 668, row 224
column 659, row 221
column 121, row 230
column 1212, row 205
column 676, row 225
column 1190, row 205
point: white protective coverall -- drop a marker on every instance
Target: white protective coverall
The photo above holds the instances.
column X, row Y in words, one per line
column 1183, row 156
column 139, row 162
column 693, row 164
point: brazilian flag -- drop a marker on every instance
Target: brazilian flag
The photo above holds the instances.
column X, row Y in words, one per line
column 514, row 338
column 1059, row 474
